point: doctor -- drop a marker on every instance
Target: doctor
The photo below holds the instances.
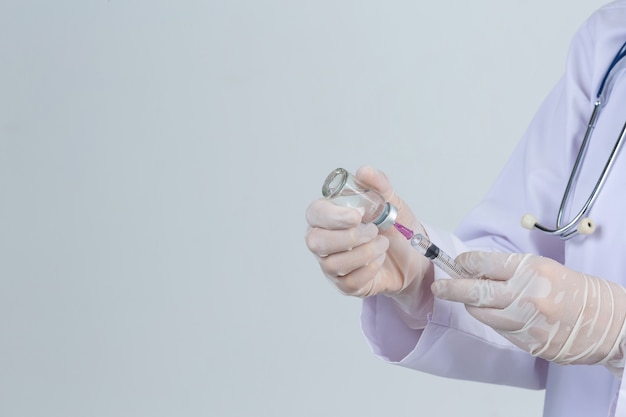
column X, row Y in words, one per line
column 549, row 311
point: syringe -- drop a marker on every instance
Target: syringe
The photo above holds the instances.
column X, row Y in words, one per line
column 432, row 252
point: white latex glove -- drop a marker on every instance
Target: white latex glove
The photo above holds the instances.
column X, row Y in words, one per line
column 543, row 307
column 361, row 261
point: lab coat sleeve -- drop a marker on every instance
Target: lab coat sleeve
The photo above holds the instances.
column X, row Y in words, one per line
column 453, row 343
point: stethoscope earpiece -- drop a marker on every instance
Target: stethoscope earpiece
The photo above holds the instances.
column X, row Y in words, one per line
column 529, row 221
column 586, row 226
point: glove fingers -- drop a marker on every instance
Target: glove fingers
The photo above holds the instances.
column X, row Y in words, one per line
column 493, row 265
column 342, row 263
column 474, row 292
column 325, row 214
column 375, row 179
column 324, row 242
column 361, row 282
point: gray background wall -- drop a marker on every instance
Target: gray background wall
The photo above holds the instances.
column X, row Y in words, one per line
column 156, row 159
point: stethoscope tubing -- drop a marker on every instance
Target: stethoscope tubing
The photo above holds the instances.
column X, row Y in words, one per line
column 568, row 230
column 573, row 227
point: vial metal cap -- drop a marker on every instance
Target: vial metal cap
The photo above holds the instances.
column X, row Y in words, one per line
column 387, row 218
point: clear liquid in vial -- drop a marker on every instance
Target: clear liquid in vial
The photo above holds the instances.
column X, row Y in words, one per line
column 370, row 209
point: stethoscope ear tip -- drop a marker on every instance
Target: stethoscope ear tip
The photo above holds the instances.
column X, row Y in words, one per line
column 529, row 221
column 586, row 226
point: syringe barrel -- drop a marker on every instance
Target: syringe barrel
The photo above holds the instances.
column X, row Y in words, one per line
column 438, row 257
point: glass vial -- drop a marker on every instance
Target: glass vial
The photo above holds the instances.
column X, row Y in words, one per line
column 343, row 189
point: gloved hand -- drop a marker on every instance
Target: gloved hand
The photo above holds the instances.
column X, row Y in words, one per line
column 362, row 261
column 543, row 307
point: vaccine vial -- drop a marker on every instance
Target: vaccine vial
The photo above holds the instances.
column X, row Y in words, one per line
column 343, row 189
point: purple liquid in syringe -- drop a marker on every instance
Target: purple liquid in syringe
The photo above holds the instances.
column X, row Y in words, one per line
column 406, row 232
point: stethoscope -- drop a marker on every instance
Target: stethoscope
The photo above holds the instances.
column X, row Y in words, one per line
column 579, row 223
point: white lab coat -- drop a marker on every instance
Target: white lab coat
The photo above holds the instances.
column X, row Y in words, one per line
column 453, row 343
